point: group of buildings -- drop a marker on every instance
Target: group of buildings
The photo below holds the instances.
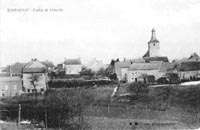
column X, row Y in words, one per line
column 153, row 64
column 34, row 76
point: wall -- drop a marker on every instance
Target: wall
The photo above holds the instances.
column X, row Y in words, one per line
column 154, row 50
column 133, row 74
column 10, row 86
column 72, row 69
column 187, row 74
column 124, row 74
column 40, row 85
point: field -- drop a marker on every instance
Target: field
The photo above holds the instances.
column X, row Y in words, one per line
column 105, row 123
column 106, row 113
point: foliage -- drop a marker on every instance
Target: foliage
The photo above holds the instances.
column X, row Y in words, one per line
column 150, row 79
column 173, row 78
column 87, row 72
column 162, row 80
column 59, row 106
column 139, row 89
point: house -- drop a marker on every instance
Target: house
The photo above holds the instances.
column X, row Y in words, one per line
column 15, row 69
column 121, row 69
column 49, row 65
column 189, row 70
column 194, row 57
column 139, row 71
column 10, row 86
column 95, row 65
column 34, row 74
column 72, row 66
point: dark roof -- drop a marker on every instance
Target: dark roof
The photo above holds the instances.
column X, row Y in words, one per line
column 146, row 54
column 153, row 36
column 34, row 70
column 145, row 66
column 165, row 67
column 72, row 62
column 15, row 68
column 156, row 59
column 190, row 66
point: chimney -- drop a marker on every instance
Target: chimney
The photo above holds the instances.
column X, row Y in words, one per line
column 124, row 59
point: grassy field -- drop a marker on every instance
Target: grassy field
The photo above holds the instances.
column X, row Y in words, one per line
column 105, row 123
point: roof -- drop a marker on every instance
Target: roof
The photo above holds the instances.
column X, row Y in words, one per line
column 145, row 66
column 154, row 59
column 168, row 66
column 139, row 60
column 15, row 68
column 121, row 64
column 146, row 54
column 153, row 36
column 194, row 57
column 72, row 61
column 34, row 66
column 190, row 66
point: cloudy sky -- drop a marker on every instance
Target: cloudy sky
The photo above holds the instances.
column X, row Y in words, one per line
column 102, row 29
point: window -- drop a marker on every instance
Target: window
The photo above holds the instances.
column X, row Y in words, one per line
column 15, row 87
column 154, row 44
column 28, row 90
column 41, row 90
column 6, row 87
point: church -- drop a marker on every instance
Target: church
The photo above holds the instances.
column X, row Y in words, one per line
column 135, row 69
column 155, row 65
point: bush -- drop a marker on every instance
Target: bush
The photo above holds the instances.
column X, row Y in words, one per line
column 59, row 106
column 138, row 89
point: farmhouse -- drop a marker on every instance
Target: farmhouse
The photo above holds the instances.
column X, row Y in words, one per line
column 34, row 77
column 189, row 70
column 72, row 66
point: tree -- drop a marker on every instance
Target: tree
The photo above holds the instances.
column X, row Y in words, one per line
column 151, row 79
column 173, row 78
column 34, row 81
column 139, row 89
column 87, row 72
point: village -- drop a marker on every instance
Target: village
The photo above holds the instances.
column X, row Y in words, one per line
column 150, row 91
column 152, row 68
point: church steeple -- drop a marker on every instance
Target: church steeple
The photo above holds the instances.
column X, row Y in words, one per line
column 153, row 36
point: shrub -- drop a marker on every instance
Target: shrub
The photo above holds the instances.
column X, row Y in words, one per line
column 139, row 89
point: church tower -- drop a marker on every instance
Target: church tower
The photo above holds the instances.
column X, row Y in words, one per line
column 153, row 45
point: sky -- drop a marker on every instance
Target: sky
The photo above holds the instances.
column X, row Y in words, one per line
column 101, row 29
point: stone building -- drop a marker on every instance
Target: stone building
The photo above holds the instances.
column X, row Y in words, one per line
column 10, row 86
column 72, row 66
column 34, row 73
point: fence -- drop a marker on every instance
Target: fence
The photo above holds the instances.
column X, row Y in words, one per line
column 126, row 111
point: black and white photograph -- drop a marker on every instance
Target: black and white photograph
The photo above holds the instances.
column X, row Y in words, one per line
column 99, row 64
